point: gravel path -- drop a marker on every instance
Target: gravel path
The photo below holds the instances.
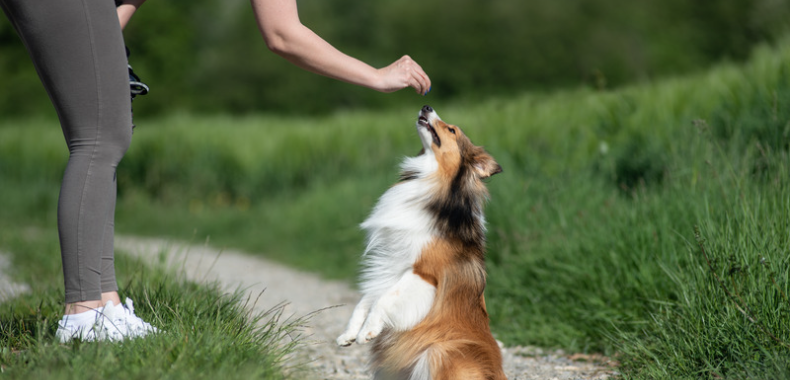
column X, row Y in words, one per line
column 306, row 293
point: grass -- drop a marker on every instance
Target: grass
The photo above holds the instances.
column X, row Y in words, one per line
column 207, row 334
column 650, row 223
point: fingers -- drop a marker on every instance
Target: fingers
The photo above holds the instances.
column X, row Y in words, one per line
column 405, row 72
column 418, row 78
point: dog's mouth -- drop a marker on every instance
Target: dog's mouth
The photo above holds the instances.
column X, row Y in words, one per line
column 425, row 123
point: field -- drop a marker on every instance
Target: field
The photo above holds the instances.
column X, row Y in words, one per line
column 650, row 223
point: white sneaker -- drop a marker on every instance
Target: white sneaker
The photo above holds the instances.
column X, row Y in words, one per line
column 89, row 326
column 112, row 327
column 77, row 326
column 136, row 326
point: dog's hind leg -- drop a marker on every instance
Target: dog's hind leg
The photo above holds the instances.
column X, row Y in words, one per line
column 401, row 307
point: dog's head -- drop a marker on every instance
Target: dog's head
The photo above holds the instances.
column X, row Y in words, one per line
column 454, row 167
column 451, row 148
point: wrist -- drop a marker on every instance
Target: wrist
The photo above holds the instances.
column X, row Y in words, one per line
column 375, row 80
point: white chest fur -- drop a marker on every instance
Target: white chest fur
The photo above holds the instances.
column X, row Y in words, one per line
column 398, row 229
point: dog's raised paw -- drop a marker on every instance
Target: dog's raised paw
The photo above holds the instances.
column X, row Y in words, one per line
column 362, row 339
column 345, row 340
column 371, row 329
column 366, row 336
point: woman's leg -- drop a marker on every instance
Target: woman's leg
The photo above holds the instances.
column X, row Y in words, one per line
column 78, row 51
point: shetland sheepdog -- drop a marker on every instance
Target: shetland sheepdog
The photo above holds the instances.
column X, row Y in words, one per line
column 423, row 269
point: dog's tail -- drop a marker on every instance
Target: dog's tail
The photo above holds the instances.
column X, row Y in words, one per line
column 421, row 359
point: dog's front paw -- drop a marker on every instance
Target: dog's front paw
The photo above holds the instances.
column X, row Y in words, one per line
column 345, row 339
column 370, row 331
column 367, row 336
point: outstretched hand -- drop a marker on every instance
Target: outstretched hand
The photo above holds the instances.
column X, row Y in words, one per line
column 404, row 72
column 278, row 21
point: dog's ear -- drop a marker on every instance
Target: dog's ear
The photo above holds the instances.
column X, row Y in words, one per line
column 485, row 166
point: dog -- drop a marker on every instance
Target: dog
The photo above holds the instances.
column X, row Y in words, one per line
column 423, row 272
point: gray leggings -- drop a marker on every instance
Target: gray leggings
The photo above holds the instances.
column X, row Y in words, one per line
column 78, row 51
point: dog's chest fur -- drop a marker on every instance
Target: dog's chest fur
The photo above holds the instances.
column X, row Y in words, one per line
column 398, row 229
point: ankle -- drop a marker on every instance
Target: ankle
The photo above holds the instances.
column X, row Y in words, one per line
column 110, row 297
column 82, row 307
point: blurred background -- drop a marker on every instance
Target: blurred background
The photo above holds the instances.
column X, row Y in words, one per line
column 209, row 57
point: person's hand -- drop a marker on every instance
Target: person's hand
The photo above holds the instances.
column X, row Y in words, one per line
column 404, row 72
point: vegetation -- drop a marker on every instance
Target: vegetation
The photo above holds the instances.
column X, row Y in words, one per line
column 209, row 57
column 207, row 334
column 650, row 223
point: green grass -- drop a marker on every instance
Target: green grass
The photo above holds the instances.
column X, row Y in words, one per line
column 207, row 333
column 649, row 223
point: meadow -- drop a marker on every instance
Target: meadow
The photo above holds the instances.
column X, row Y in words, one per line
column 649, row 223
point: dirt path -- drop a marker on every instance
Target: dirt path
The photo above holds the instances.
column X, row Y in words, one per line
column 306, row 293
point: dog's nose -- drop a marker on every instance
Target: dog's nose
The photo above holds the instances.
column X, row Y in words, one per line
column 427, row 108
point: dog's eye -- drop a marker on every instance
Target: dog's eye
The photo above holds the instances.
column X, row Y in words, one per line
column 452, row 130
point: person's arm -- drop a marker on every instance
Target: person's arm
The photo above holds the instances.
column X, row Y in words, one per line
column 278, row 21
column 126, row 9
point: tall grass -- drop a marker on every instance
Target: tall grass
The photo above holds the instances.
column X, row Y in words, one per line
column 650, row 223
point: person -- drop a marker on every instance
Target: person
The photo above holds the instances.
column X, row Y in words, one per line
column 77, row 48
